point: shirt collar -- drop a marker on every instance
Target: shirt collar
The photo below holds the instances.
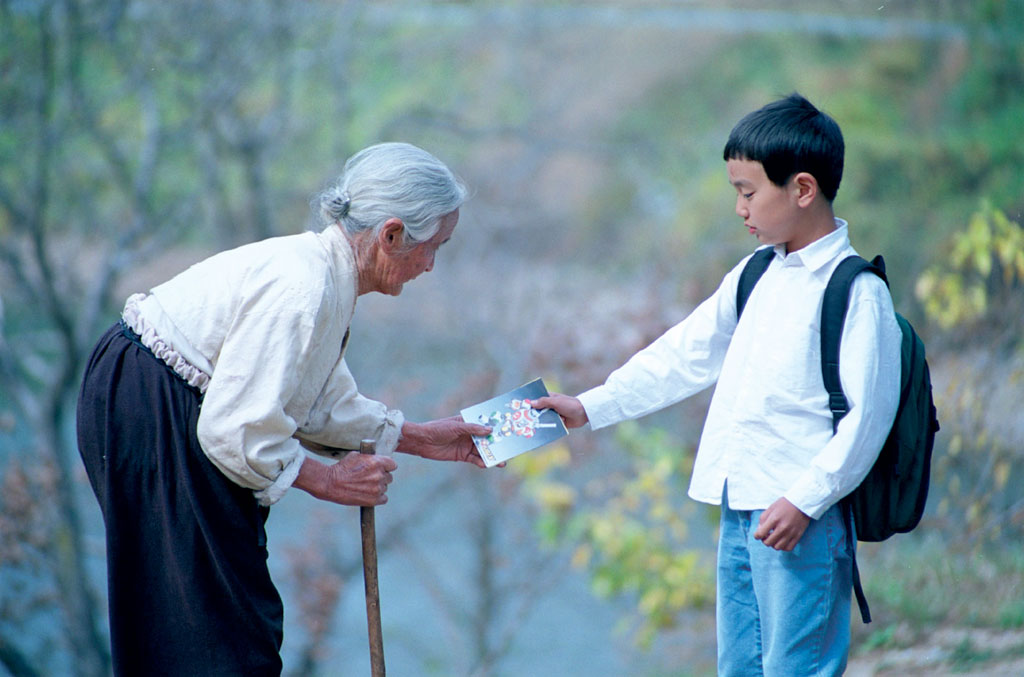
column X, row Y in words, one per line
column 342, row 255
column 817, row 254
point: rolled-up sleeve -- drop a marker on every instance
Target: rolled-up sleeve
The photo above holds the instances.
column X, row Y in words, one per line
column 342, row 418
column 244, row 427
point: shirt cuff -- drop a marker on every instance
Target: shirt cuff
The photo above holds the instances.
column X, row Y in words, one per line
column 283, row 483
column 602, row 409
column 387, row 440
column 811, row 496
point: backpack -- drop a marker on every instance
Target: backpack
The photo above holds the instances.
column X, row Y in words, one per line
column 891, row 498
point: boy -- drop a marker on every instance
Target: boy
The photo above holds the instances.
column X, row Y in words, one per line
column 767, row 453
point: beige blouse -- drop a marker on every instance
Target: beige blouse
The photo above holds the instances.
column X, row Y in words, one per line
column 261, row 330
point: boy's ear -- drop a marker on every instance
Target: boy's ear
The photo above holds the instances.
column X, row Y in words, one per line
column 391, row 236
column 805, row 188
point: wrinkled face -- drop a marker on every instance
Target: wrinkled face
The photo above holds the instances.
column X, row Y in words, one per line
column 769, row 212
column 408, row 264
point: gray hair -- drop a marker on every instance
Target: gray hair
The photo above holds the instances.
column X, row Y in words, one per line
column 391, row 180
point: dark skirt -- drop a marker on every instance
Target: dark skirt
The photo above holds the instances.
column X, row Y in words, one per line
column 189, row 589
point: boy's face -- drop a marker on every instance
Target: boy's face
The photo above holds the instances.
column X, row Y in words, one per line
column 771, row 213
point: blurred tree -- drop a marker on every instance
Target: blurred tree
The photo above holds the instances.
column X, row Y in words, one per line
column 322, row 567
column 98, row 173
column 64, row 174
column 127, row 128
column 631, row 533
column 485, row 599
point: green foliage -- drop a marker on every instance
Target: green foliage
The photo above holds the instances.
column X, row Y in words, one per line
column 974, row 296
column 982, row 276
column 926, row 581
column 879, row 639
column 631, row 537
column 553, row 498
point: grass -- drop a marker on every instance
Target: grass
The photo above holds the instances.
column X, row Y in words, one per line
column 917, row 583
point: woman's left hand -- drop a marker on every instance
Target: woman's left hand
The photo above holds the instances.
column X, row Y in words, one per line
column 446, row 439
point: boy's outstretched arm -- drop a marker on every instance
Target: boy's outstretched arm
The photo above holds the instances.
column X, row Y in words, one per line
column 569, row 408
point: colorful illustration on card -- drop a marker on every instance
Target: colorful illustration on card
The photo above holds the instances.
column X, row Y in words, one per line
column 516, row 427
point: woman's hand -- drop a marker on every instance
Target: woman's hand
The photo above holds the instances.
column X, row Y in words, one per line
column 446, row 439
column 357, row 479
column 569, row 408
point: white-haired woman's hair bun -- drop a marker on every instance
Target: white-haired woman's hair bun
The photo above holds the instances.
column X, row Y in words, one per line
column 338, row 206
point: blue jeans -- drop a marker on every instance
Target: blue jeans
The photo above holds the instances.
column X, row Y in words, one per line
column 783, row 614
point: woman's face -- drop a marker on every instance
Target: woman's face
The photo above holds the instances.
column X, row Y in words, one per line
column 408, row 264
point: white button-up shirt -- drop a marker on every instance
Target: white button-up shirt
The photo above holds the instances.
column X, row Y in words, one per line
column 769, row 429
column 265, row 326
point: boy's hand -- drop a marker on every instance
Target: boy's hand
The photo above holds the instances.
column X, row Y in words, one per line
column 568, row 407
column 782, row 525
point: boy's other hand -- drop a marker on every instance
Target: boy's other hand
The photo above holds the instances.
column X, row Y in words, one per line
column 782, row 525
column 569, row 408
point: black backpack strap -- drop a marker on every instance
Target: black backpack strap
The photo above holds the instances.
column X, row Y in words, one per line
column 752, row 272
column 858, row 589
column 833, row 314
column 834, row 305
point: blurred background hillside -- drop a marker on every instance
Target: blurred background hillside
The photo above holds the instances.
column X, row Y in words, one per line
column 137, row 137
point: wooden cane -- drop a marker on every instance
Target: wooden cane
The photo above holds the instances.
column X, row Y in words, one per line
column 369, row 534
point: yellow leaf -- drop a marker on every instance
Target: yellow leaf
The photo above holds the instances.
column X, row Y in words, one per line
column 581, row 556
column 556, row 496
column 540, row 463
column 652, row 599
column 1001, row 474
column 973, row 512
column 983, row 262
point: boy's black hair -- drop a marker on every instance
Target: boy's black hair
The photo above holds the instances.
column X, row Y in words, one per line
column 790, row 136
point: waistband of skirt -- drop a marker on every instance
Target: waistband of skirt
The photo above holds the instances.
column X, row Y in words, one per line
column 174, row 365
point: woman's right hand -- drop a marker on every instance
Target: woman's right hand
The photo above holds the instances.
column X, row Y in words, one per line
column 357, row 479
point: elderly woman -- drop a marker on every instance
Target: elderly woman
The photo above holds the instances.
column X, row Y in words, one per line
column 195, row 409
